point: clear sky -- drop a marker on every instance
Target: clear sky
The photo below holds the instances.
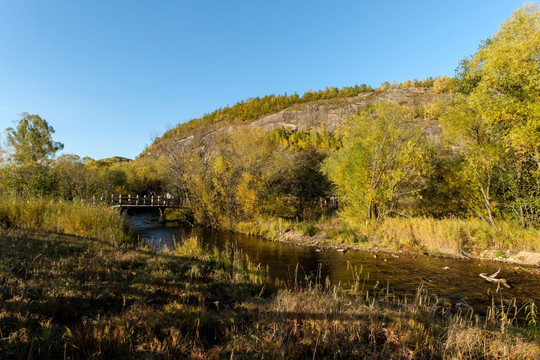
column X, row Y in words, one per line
column 111, row 75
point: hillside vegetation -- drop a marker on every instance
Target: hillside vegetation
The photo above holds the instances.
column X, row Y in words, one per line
column 327, row 108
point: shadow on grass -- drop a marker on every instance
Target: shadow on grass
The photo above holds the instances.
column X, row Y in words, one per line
column 65, row 296
column 68, row 280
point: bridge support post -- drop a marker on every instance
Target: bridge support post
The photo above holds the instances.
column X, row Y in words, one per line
column 161, row 213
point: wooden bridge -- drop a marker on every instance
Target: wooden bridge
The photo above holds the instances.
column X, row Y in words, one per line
column 141, row 202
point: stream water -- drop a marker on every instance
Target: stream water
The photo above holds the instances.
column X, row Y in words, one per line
column 454, row 280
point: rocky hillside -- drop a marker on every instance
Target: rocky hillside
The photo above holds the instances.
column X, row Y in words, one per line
column 304, row 117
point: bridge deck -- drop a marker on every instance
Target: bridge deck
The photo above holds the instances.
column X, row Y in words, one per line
column 157, row 202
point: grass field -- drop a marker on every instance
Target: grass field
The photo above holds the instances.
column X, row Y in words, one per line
column 65, row 296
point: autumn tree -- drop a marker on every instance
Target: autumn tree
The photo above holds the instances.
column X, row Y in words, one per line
column 247, row 173
column 382, row 161
column 190, row 177
column 442, row 84
column 495, row 121
column 73, row 178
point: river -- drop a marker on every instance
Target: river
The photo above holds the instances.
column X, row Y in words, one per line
column 453, row 280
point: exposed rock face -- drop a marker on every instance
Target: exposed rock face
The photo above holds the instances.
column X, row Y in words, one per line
column 330, row 113
column 307, row 117
column 333, row 112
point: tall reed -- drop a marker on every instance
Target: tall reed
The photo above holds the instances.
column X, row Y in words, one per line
column 72, row 218
column 455, row 235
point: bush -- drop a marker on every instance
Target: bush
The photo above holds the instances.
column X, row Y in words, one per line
column 307, row 229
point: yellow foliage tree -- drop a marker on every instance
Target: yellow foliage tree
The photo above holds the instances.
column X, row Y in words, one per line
column 496, row 121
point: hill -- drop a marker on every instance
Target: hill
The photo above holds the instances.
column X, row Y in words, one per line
column 329, row 113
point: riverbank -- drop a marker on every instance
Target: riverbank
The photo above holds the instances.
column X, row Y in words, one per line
column 460, row 238
column 80, row 297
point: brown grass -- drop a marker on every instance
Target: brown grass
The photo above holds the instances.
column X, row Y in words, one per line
column 63, row 217
column 455, row 235
column 64, row 296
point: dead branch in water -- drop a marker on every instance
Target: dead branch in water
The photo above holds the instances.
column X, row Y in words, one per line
column 493, row 279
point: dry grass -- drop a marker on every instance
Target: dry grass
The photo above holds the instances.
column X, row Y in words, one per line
column 87, row 298
column 65, row 296
column 71, row 218
column 269, row 228
column 438, row 236
column 325, row 323
column 455, row 235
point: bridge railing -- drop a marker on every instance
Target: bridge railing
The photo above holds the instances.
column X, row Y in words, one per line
column 138, row 200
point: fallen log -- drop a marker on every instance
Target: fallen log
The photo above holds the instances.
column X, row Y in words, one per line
column 493, row 279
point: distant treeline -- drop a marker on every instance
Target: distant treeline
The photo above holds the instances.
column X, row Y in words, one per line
column 29, row 168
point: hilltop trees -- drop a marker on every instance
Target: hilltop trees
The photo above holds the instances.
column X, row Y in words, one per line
column 254, row 108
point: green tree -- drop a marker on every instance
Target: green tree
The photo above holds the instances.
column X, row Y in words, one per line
column 482, row 152
column 495, row 122
column 300, row 179
column 382, row 161
column 30, row 149
column 31, row 141
column 114, row 181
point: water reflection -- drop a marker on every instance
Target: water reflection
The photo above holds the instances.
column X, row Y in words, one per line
column 460, row 284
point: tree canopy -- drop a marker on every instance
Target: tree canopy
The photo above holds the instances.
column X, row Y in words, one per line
column 31, row 141
column 496, row 120
column 381, row 162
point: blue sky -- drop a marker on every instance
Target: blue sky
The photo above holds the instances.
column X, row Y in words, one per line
column 111, row 75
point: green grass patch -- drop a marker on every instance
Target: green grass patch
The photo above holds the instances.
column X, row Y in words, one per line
column 306, row 229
